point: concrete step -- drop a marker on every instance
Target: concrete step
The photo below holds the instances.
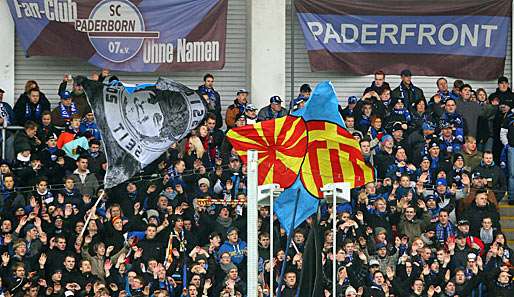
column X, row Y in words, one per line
column 507, row 221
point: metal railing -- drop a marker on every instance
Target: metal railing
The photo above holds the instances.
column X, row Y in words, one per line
column 4, row 128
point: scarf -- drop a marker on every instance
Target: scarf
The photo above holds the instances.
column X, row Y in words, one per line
column 4, row 114
column 28, row 111
column 65, row 114
column 440, row 231
column 404, row 93
column 486, row 236
column 224, row 222
column 403, row 113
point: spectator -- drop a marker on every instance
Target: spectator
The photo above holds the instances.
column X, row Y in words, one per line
column 237, row 108
column 78, row 96
column 85, row 180
column 31, row 104
column 65, row 110
column 212, row 98
column 493, row 174
column 378, row 83
column 273, row 110
column 6, row 111
column 406, row 90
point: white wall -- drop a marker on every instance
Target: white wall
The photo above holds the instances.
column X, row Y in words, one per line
column 7, row 53
column 268, row 50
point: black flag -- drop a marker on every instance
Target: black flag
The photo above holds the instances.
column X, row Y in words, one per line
column 138, row 123
column 311, row 279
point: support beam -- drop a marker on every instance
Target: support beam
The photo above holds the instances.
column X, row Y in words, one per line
column 251, row 217
column 268, row 51
column 7, row 53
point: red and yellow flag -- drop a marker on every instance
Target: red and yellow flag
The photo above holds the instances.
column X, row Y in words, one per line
column 281, row 145
column 320, row 152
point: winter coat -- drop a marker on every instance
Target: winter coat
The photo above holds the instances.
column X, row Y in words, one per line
column 237, row 251
column 494, row 172
column 415, row 227
column 232, row 112
column 24, row 110
column 475, row 214
column 266, row 113
column 89, row 186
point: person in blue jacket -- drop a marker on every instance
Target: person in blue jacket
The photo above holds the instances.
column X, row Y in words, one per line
column 234, row 246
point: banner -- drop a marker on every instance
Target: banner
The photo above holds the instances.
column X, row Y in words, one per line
column 126, row 35
column 139, row 123
column 462, row 38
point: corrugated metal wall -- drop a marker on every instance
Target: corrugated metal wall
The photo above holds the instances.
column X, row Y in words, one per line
column 49, row 71
column 355, row 85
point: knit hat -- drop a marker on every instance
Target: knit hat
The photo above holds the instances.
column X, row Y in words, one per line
column 204, row 180
column 350, row 290
column 385, row 138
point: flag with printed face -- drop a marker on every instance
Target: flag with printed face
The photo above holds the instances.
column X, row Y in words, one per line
column 139, row 122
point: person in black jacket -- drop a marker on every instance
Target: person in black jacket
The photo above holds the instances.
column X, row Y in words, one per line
column 30, row 106
column 212, row 98
column 406, row 90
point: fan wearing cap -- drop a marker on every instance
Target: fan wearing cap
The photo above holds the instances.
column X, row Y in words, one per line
column 455, row 119
column 250, row 113
column 437, row 161
column 406, row 90
column 78, row 95
column 493, row 173
column 63, row 112
column 459, row 175
column 503, row 92
column 234, row 246
column 349, row 110
column 273, row 110
column 399, row 112
column 473, row 242
column 51, row 155
column 397, row 132
column 448, row 143
column 237, row 108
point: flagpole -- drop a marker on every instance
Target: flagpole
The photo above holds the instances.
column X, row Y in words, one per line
column 289, row 238
column 251, row 219
column 272, row 255
column 334, row 241
column 91, row 213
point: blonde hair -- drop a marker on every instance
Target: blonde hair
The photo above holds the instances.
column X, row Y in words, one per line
column 196, row 143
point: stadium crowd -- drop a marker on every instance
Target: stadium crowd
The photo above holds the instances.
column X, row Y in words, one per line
column 428, row 226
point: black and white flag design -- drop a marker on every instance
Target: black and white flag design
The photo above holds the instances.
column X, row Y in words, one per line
column 139, row 122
